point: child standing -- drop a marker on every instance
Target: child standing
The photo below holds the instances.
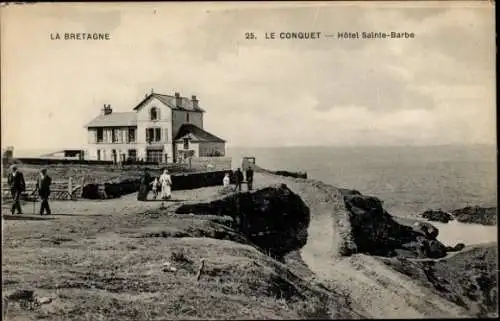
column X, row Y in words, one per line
column 155, row 188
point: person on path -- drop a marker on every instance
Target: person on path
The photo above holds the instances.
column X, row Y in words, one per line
column 166, row 185
column 144, row 186
column 238, row 177
column 17, row 186
column 43, row 187
column 154, row 188
column 226, row 180
column 249, row 175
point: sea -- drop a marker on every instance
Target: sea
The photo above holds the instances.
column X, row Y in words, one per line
column 409, row 180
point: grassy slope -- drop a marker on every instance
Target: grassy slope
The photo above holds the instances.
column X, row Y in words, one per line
column 108, row 265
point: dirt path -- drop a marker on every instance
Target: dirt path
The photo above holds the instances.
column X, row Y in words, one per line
column 377, row 290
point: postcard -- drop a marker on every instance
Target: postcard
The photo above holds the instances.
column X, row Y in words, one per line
column 248, row 160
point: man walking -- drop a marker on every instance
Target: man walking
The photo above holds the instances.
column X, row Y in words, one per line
column 43, row 188
column 142, row 195
column 238, row 179
column 17, row 186
column 249, row 174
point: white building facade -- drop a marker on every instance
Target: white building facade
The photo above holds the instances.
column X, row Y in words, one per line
column 151, row 132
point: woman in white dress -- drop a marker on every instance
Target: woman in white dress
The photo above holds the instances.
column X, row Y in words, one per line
column 225, row 180
column 166, row 185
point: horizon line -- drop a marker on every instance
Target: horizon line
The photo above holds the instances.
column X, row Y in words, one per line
column 296, row 146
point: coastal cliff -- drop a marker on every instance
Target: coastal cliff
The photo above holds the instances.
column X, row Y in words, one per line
column 293, row 248
column 351, row 239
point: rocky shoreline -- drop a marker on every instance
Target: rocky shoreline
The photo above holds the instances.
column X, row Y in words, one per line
column 469, row 214
column 376, row 232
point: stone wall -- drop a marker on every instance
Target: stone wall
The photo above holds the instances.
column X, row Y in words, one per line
column 119, row 187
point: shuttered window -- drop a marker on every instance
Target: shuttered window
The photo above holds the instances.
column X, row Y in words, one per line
column 157, row 134
column 100, row 135
column 153, row 135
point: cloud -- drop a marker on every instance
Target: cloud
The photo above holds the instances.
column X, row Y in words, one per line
column 435, row 88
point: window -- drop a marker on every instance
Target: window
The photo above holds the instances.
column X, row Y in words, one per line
column 100, row 135
column 131, row 135
column 114, row 135
column 187, row 117
column 132, row 154
column 98, row 154
column 153, row 113
column 154, row 156
column 157, row 134
column 153, row 135
column 186, row 143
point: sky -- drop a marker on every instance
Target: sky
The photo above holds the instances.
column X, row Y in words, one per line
column 437, row 88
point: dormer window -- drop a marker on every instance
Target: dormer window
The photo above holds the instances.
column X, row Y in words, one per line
column 154, row 113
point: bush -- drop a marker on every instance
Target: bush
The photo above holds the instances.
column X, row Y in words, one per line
column 180, row 257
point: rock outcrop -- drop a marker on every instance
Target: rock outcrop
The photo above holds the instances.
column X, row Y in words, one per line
column 437, row 216
column 291, row 174
column 476, row 214
column 273, row 218
column 375, row 232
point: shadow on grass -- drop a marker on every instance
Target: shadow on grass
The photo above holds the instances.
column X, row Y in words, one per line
column 24, row 217
column 169, row 200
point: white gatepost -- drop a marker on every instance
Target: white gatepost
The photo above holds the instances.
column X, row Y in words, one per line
column 70, row 188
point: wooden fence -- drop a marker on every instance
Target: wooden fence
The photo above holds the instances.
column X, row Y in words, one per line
column 208, row 163
column 60, row 189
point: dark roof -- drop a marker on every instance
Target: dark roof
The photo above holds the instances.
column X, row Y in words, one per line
column 114, row 120
column 196, row 134
column 169, row 101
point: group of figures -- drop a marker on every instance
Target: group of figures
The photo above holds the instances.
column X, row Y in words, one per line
column 239, row 179
column 162, row 186
column 17, row 186
column 159, row 185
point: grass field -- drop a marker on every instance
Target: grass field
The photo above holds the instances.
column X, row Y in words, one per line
column 102, row 260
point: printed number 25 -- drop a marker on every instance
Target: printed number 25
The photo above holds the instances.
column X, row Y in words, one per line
column 249, row 35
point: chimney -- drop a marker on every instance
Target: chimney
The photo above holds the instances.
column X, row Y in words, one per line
column 107, row 110
column 177, row 100
column 194, row 101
